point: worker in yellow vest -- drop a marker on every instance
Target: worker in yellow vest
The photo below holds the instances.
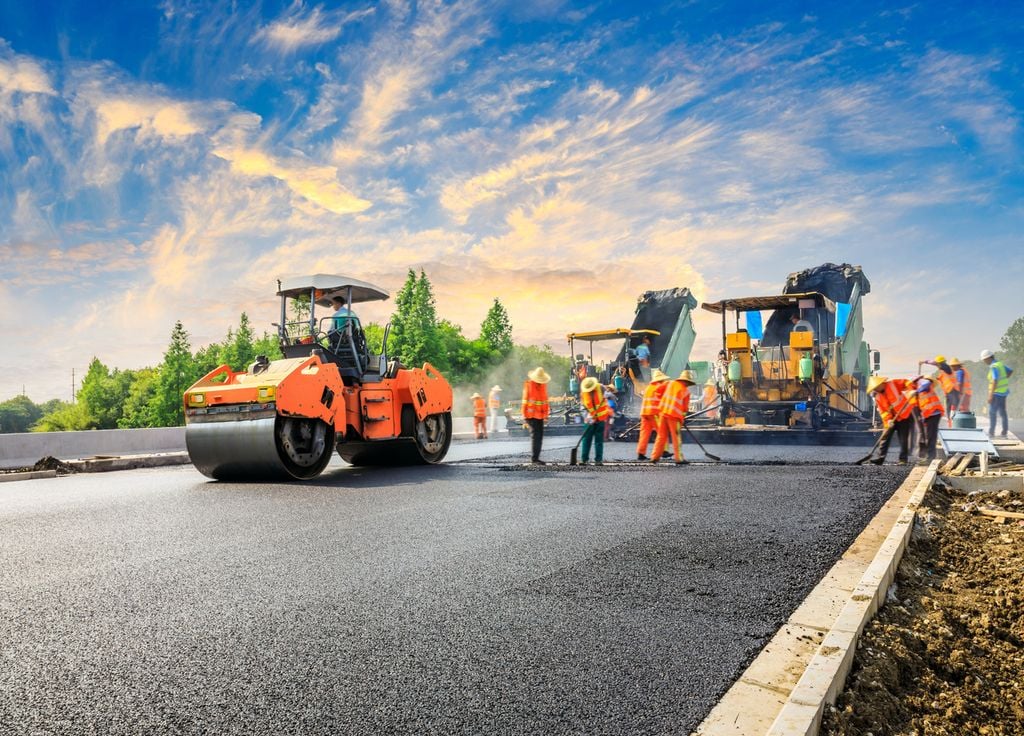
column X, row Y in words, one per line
column 998, row 389
column 675, row 403
column 649, row 411
column 479, row 416
column 963, row 378
column 930, row 407
column 536, row 409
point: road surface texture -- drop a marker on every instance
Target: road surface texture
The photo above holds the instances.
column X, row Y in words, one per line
column 466, row 598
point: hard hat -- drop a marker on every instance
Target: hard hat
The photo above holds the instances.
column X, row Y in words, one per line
column 923, row 385
column 955, row 361
column 589, row 384
column 495, row 387
column 875, row 382
column 539, row 375
column 658, row 375
column 940, row 358
column 986, row 354
column 476, row 396
column 688, row 376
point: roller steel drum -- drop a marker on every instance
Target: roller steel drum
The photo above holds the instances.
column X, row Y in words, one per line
column 271, row 448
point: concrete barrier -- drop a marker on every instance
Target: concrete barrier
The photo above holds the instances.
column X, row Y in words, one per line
column 22, row 450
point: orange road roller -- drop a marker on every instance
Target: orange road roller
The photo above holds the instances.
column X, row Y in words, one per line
column 282, row 419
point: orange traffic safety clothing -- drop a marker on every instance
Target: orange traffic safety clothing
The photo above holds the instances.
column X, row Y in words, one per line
column 928, row 403
column 595, row 404
column 676, row 401
column 479, row 407
column 652, row 399
column 965, row 390
column 893, row 405
column 535, row 400
column 668, row 431
column 494, row 399
column 648, row 426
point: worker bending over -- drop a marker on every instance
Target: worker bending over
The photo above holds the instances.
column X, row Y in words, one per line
column 536, row 409
column 675, row 403
column 649, row 411
column 963, row 379
column 598, row 412
column 892, row 398
column 998, row 389
column 931, row 415
column 946, row 378
column 479, row 416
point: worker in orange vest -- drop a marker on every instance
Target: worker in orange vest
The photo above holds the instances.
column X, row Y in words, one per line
column 649, row 411
column 945, row 377
column 963, row 377
column 536, row 409
column 598, row 412
column 494, row 405
column 930, row 407
column 893, row 399
column 479, row 416
column 675, row 403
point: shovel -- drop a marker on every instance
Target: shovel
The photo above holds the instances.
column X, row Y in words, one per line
column 694, row 438
column 575, row 451
column 887, row 432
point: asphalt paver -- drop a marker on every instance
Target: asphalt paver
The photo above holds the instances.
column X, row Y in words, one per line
column 464, row 598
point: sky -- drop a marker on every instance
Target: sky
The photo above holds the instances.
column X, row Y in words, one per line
column 164, row 161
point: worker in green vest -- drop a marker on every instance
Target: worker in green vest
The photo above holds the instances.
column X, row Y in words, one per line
column 998, row 389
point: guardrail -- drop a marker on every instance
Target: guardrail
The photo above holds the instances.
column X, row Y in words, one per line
column 24, row 449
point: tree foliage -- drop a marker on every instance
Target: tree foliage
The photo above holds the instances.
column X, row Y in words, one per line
column 176, row 372
column 414, row 328
column 19, row 414
column 496, row 330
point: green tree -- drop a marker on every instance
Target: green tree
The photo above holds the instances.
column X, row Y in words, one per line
column 414, row 331
column 461, row 360
column 66, row 418
column 237, row 349
column 1011, row 348
column 103, row 393
column 496, row 330
column 269, row 345
column 19, row 414
column 374, row 337
column 176, row 373
column 138, row 411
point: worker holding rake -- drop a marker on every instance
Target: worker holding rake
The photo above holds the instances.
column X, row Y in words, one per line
column 598, row 412
column 675, row 403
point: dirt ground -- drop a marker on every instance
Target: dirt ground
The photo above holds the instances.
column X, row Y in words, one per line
column 945, row 655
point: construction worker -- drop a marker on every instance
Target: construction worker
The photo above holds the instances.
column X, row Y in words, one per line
column 643, row 356
column 479, row 416
column 494, row 404
column 998, row 389
column 675, row 403
column 946, row 378
column 536, row 409
column 710, row 394
column 613, row 404
column 892, row 398
column 930, row 407
column 598, row 412
column 649, row 411
column 963, row 378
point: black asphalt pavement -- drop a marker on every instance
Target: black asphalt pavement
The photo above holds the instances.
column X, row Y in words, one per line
column 468, row 598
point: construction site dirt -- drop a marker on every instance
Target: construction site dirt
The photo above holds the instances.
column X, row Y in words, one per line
column 945, row 655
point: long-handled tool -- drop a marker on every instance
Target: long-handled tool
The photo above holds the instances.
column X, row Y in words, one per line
column 694, row 438
column 573, row 453
column 885, row 434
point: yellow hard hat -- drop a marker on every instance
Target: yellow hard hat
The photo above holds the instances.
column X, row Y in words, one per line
column 874, row 382
column 688, row 376
column 940, row 358
column 658, row 375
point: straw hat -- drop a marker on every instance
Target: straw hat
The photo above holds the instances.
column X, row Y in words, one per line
column 589, row 384
column 874, row 382
column 476, row 396
column 955, row 361
column 495, row 387
column 539, row 375
column 688, row 377
column 657, row 376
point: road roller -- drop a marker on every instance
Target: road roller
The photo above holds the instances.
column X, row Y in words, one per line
column 282, row 419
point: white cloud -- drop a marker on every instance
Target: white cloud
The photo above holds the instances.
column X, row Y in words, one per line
column 21, row 74
column 298, row 28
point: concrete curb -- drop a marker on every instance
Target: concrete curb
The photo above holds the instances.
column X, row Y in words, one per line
column 27, row 475
column 128, row 462
column 824, row 677
column 845, row 599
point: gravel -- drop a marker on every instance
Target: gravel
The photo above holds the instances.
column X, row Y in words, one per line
column 458, row 599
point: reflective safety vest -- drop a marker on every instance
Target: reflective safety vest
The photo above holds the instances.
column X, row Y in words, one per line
column 965, row 381
column 479, row 407
column 998, row 379
column 947, row 381
column 676, row 401
column 652, row 399
column 494, row 399
column 595, row 404
column 928, row 403
column 893, row 405
column 535, row 400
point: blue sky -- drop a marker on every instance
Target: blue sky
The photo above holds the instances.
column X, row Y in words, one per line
column 170, row 160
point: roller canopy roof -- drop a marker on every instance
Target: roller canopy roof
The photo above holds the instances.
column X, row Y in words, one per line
column 619, row 333
column 329, row 286
column 757, row 303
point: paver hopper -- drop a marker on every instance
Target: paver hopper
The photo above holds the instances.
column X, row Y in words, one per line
column 282, row 419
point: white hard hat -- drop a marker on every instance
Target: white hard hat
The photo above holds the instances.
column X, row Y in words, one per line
column 986, row 354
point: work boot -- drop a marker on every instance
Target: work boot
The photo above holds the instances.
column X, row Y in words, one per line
column 684, row 461
column 877, row 461
column 654, row 461
column 641, row 456
column 599, row 462
column 538, row 462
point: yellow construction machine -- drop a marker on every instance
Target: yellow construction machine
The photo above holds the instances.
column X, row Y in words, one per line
column 282, row 419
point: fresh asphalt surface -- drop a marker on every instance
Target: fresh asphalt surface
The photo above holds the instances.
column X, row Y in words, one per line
column 479, row 596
